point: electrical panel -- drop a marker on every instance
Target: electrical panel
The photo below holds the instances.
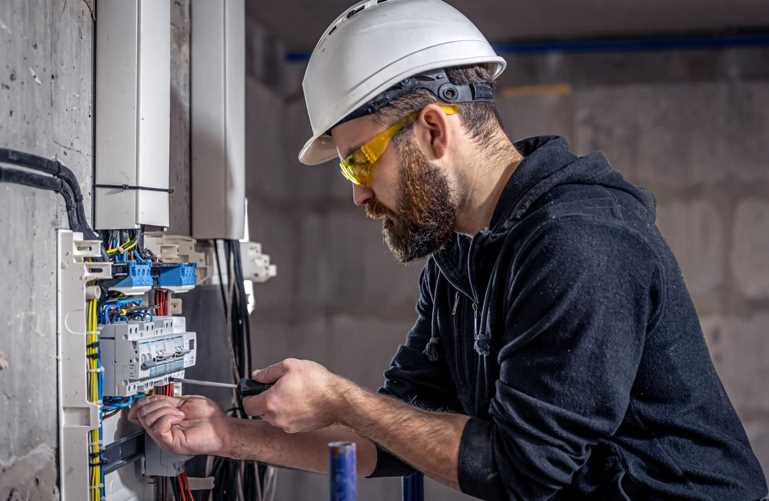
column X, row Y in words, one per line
column 122, row 336
column 119, row 341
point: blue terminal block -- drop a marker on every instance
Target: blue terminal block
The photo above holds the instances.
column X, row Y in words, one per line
column 138, row 279
column 177, row 278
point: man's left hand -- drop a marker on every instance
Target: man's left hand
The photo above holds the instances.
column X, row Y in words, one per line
column 305, row 396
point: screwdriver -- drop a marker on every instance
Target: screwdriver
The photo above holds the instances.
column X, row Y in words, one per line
column 246, row 387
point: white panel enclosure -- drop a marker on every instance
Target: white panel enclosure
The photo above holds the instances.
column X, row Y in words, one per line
column 133, row 100
column 218, row 118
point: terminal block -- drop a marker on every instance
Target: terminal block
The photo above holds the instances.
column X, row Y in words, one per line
column 177, row 278
column 137, row 279
column 138, row 355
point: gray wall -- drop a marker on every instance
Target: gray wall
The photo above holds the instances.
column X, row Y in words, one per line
column 693, row 127
column 45, row 108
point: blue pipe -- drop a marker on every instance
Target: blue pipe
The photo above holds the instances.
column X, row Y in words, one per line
column 413, row 487
column 342, row 471
column 653, row 43
column 649, row 44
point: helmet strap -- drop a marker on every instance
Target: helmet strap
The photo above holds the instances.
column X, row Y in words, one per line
column 437, row 83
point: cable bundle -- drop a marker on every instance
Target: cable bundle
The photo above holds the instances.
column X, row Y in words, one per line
column 237, row 480
column 94, row 381
column 62, row 181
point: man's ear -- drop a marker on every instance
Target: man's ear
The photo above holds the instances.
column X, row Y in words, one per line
column 434, row 133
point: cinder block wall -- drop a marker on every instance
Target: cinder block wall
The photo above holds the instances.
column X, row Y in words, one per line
column 693, row 127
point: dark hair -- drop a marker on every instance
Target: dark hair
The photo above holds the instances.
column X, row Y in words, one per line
column 480, row 119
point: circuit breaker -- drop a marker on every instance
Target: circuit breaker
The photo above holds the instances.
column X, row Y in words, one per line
column 140, row 355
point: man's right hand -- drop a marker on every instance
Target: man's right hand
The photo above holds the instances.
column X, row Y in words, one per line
column 188, row 425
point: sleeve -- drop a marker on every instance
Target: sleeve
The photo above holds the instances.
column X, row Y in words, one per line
column 413, row 378
column 579, row 299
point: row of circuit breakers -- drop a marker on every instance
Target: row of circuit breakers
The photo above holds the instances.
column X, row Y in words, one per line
column 144, row 354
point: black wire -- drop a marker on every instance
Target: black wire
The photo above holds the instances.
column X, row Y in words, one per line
column 174, row 487
column 221, row 278
column 14, row 176
column 246, row 320
column 227, row 471
column 58, row 170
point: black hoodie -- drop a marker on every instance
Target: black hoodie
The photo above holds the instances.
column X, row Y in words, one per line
column 566, row 333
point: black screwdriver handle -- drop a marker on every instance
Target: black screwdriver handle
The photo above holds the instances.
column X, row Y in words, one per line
column 248, row 387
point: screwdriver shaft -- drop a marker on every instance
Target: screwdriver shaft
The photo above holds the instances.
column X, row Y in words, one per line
column 199, row 382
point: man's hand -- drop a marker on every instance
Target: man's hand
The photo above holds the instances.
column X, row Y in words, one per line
column 305, row 396
column 184, row 425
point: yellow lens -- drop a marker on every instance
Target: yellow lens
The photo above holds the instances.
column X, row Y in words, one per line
column 354, row 172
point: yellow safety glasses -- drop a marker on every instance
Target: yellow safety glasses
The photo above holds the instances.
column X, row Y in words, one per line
column 358, row 167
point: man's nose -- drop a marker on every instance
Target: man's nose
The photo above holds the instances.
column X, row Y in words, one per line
column 361, row 194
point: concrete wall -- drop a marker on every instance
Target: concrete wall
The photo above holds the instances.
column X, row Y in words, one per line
column 46, row 100
column 46, row 107
column 691, row 126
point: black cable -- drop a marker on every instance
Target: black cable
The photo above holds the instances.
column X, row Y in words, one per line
column 14, row 176
column 58, row 170
column 243, row 303
column 227, row 472
column 221, row 278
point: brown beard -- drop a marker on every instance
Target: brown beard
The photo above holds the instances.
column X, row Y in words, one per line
column 425, row 216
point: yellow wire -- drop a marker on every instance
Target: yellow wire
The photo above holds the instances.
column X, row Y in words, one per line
column 123, row 247
column 92, row 351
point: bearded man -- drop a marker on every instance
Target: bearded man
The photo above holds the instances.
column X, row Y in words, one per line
column 556, row 352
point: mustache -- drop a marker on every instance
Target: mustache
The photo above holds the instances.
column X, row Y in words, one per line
column 375, row 210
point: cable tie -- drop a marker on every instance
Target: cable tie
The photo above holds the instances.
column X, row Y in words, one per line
column 127, row 187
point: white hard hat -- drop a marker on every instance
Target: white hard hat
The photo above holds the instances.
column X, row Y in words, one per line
column 376, row 44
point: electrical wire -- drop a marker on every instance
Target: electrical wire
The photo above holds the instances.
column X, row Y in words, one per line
column 14, row 176
column 94, row 380
column 237, row 480
column 59, row 171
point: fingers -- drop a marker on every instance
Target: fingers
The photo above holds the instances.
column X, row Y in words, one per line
column 152, row 418
column 273, row 372
column 262, row 405
column 148, row 405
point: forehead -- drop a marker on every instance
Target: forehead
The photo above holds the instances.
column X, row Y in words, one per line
column 351, row 135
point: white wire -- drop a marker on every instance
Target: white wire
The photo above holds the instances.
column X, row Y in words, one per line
column 271, row 483
column 259, row 493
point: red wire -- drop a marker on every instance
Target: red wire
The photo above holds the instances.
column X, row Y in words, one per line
column 161, row 301
column 188, row 491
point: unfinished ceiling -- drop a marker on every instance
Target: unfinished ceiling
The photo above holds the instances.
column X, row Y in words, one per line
column 299, row 23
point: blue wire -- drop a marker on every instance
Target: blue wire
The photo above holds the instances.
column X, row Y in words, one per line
column 139, row 256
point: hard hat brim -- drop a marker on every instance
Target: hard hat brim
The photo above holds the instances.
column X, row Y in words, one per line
column 318, row 150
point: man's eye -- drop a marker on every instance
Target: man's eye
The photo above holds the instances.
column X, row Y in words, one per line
column 358, row 158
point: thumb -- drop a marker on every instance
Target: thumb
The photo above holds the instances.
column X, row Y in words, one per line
column 270, row 374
